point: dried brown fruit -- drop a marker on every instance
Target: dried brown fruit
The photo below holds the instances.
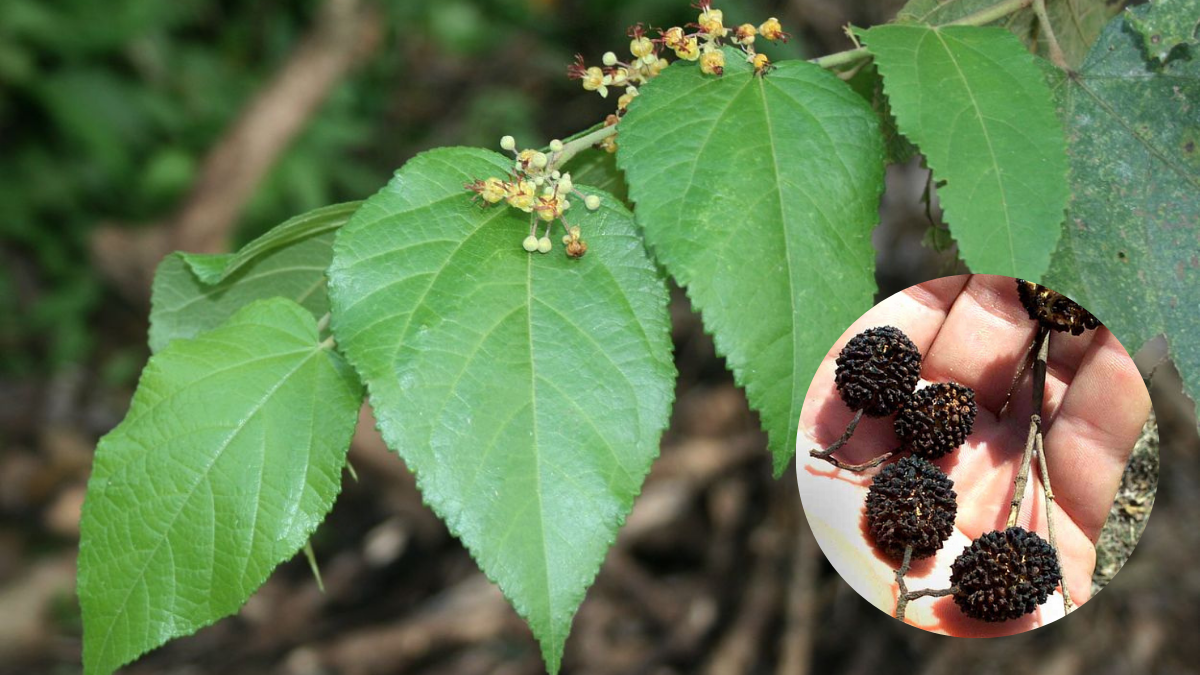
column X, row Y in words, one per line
column 1004, row 575
column 911, row 503
column 877, row 370
column 1053, row 309
column 936, row 419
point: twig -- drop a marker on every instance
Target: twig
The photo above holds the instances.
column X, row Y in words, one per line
column 575, row 146
column 1056, row 52
column 1049, row 502
column 1014, row 506
column 932, row 593
column 822, row 454
column 858, row 467
column 902, row 591
column 1035, row 423
column 1030, row 354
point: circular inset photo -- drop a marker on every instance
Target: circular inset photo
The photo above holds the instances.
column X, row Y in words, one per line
column 960, row 448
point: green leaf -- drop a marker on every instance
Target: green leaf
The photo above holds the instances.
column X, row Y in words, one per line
column 193, row 293
column 229, row 458
column 976, row 104
column 759, row 194
column 1130, row 251
column 528, row 392
column 1165, row 25
column 868, row 84
column 1076, row 23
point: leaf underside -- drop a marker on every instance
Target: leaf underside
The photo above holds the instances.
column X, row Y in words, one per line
column 229, row 458
column 1130, row 251
column 527, row 392
column 976, row 103
column 759, row 194
column 1165, row 25
column 193, row 293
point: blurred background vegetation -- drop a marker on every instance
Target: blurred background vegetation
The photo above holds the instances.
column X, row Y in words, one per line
column 125, row 124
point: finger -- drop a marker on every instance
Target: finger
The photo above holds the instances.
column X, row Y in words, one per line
column 1090, row 437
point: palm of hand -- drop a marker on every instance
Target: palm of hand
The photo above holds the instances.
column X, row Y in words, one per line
column 972, row 330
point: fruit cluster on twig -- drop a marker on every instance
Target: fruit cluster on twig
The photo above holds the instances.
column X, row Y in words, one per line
column 911, row 504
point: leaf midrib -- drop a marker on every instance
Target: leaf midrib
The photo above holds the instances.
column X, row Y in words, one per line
column 1000, row 184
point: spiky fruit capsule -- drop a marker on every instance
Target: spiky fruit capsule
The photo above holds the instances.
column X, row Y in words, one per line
column 1054, row 310
column 1004, row 575
column 877, row 370
column 936, row 419
column 911, row 503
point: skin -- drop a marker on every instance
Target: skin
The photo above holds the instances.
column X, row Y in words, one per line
column 972, row 329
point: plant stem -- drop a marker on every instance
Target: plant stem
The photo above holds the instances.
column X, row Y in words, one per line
column 1030, row 354
column 980, row 18
column 993, row 13
column 902, row 591
column 312, row 565
column 842, row 58
column 323, row 322
column 1042, row 342
column 1014, row 506
column 1049, row 502
column 841, row 441
column 575, row 146
column 1056, row 52
column 932, row 593
column 857, row 467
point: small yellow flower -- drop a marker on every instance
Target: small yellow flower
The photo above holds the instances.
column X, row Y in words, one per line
column 690, row 51
column 744, row 35
column 550, row 207
column 625, row 100
column 619, row 77
column 609, row 144
column 493, row 190
column 642, row 47
column 673, row 37
column 712, row 22
column 761, row 63
column 520, row 195
column 772, row 30
column 713, row 63
column 594, row 79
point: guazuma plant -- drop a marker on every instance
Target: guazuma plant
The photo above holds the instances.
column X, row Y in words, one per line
column 528, row 392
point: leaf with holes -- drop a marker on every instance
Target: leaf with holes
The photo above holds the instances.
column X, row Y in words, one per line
column 229, row 458
column 1164, row 25
column 193, row 293
column 528, row 392
column 976, row 104
column 759, row 195
column 1130, row 251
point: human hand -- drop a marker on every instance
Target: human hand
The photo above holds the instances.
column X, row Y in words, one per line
column 972, row 329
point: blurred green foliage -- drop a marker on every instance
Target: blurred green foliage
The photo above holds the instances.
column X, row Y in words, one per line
column 108, row 108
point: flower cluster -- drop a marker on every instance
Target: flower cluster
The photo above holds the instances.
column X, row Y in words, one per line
column 700, row 41
column 536, row 187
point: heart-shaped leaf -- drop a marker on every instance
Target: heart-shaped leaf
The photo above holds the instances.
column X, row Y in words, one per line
column 759, row 195
column 1131, row 247
column 975, row 102
column 229, row 458
column 528, row 392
